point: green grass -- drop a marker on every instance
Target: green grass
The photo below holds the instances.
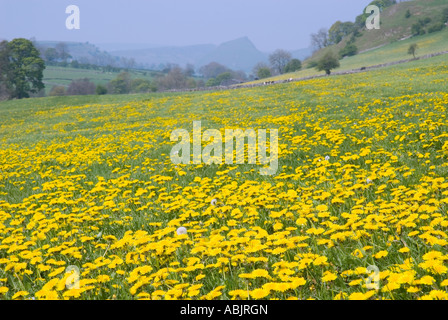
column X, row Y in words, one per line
column 78, row 173
column 54, row 75
column 396, row 51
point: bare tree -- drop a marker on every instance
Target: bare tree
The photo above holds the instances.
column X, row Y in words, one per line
column 81, row 87
column 212, row 70
column 279, row 59
column 62, row 50
column 320, row 40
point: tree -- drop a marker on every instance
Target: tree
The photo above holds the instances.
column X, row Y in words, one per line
column 319, row 40
column 212, row 70
column 100, row 90
column 57, row 91
column 293, row 66
column 51, row 55
column 279, row 59
column 62, row 50
column 413, row 49
column 4, row 70
column 328, row 62
column 140, row 86
column 339, row 30
column 408, row 14
column 264, row 73
column 175, row 79
column 121, row 84
column 189, row 70
column 80, row 87
column 349, row 50
column 21, row 68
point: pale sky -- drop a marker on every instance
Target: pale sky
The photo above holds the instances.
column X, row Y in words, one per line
column 270, row 24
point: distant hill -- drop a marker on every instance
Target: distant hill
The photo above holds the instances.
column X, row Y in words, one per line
column 153, row 57
column 239, row 54
column 84, row 52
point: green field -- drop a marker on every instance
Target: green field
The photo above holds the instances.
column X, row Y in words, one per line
column 63, row 76
column 396, row 51
column 91, row 203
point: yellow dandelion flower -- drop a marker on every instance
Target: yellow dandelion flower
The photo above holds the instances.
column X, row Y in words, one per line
column 259, row 293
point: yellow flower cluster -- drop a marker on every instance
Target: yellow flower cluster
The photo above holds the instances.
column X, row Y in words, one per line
column 362, row 181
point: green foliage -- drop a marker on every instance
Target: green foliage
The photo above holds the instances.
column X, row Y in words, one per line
column 264, row 72
column 57, row 91
column 418, row 28
column 21, row 69
column 413, row 49
column 436, row 27
column 328, row 62
column 293, row 66
column 211, row 83
column 120, row 85
column 140, row 86
column 408, row 14
column 223, row 77
column 349, row 50
column 100, row 90
column 339, row 30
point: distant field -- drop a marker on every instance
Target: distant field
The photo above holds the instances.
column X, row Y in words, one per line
column 91, row 204
column 431, row 43
column 63, row 76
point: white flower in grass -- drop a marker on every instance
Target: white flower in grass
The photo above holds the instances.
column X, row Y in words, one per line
column 213, row 202
column 369, row 181
column 181, row 230
column 327, row 158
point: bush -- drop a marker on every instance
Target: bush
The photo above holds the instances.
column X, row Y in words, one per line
column 408, row 14
column 293, row 66
column 101, row 90
column 349, row 50
column 436, row 27
column 57, row 91
column 417, row 29
column 81, row 87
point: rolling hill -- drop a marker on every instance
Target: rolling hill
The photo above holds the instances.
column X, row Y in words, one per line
column 385, row 46
column 395, row 26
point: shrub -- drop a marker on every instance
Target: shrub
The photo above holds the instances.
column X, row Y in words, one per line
column 81, row 87
column 101, row 90
column 348, row 51
column 57, row 91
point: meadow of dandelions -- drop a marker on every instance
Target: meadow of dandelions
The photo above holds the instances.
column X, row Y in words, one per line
column 362, row 181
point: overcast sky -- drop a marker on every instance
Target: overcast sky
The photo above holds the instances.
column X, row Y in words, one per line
column 270, row 24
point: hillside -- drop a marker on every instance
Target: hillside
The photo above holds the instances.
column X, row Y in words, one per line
column 154, row 57
column 239, row 54
column 395, row 26
column 84, row 52
column 385, row 49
